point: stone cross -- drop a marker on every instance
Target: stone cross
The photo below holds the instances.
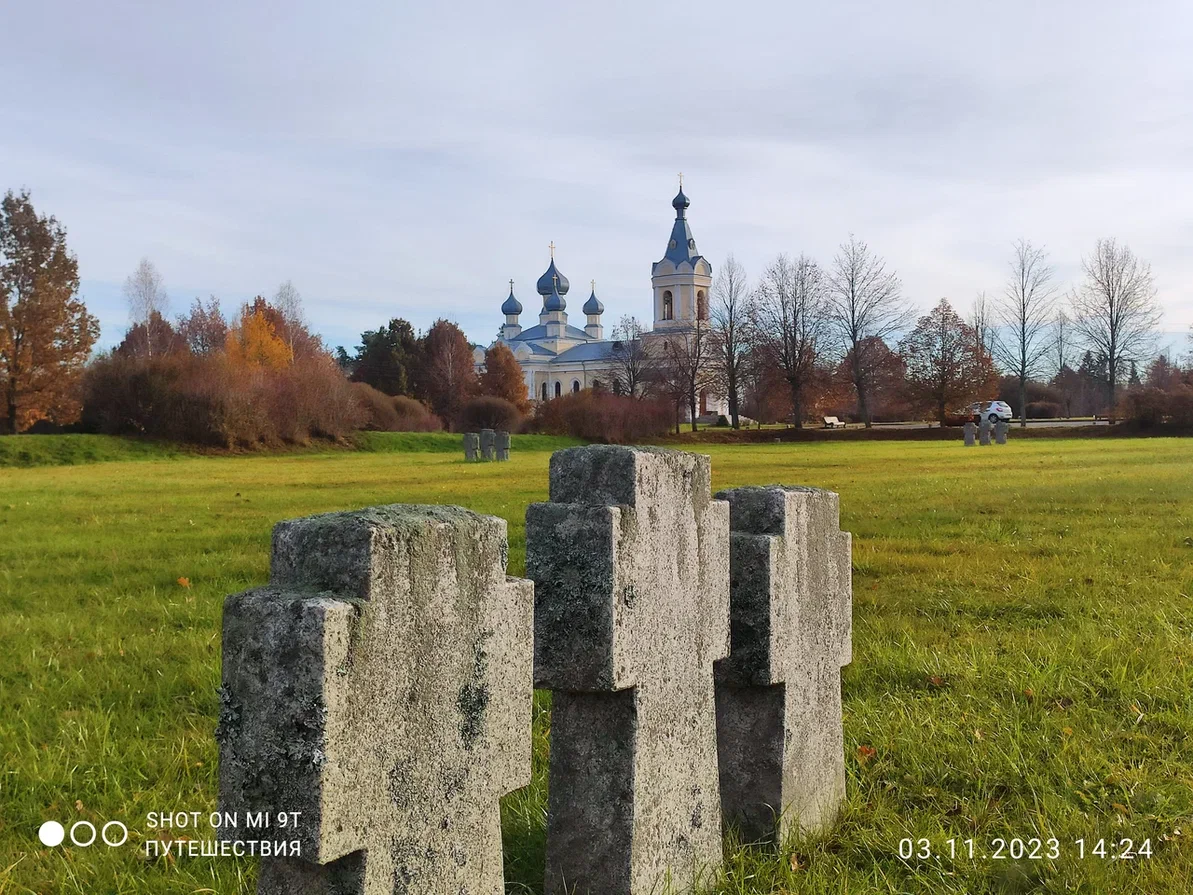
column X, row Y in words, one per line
column 488, row 439
column 630, row 561
column 1000, row 432
column 971, row 431
column 984, row 432
column 503, row 445
column 381, row 686
column 472, row 443
column 781, row 746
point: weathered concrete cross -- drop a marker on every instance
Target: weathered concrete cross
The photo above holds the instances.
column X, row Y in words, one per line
column 779, row 692
column 631, row 572
column 381, row 686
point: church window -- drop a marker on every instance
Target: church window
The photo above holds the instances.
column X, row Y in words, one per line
column 544, row 391
column 668, row 306
column 701, row 305
column 575, row 386
column 691, row 243
column 618, row 388
column 558, row 388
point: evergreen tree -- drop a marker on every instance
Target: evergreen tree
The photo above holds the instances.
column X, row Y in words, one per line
column 388, row 358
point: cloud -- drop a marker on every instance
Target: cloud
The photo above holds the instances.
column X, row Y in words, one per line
column 397, row 159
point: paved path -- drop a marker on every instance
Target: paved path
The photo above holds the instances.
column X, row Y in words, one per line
column 1032, row 424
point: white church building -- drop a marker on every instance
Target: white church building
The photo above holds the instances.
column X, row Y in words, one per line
column 557, row 357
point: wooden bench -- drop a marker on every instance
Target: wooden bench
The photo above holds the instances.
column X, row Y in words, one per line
column 831, row 422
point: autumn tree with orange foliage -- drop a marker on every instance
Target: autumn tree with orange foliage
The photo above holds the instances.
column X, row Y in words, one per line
column 46, row 333
column 254, row 342
column 503, row 377
column 947, row 366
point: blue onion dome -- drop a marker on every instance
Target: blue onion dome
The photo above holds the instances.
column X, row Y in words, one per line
column 593, row 305
column 554, row 301
column 680, row 202
column 547, row 282
column 511, row 305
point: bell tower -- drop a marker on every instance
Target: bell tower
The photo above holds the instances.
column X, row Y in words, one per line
column 682, row 280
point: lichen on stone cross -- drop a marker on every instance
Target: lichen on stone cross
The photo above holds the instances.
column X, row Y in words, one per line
column 779, row 692
column 380, row 685
column 631, row 572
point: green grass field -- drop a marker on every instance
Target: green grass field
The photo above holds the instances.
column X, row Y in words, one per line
column 1023, row 653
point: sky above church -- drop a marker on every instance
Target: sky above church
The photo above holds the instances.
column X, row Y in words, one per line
column 408, row 159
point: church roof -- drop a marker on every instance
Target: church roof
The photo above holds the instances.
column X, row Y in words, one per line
column 588, row 351
column 681, row 246
column 593, row 305
column 511, row 305
column 540, row 332
column 547, row 281
column 554, row 301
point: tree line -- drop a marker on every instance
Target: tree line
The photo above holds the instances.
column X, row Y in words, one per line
column 799, row 342
column 804, row 340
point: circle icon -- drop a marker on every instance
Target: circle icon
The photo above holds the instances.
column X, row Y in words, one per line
column 83, row 823
column 51, row 833
column 104, row 834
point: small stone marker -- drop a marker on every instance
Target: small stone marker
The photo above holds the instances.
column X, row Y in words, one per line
column 1000, row 432
column 472, row 443
column 503, row 446
column 781, row 745
column 971, row 432
column 381, row 686
column 488, row 439
column 984, row 432
column 630, row 561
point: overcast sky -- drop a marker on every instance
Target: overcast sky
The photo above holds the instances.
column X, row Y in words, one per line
column 407, row 159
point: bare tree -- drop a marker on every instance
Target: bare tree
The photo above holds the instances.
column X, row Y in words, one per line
column 631, row 362
column 1062, row 337
column 1026, row 311
column 981, row 319
column 729, row 316
column 146, row 294
column 790, row 323
column 288, row 302
column 865, row 308
column 1115, row 309
column 681, row 370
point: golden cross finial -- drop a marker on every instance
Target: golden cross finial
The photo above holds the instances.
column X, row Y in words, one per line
column 594, row 285
column 511, row 285
column 681, row 180
column 552, row 248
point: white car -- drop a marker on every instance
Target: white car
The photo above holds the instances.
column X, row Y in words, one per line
column 991, row 410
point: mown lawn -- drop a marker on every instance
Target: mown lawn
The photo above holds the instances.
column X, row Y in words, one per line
column 1023, row 653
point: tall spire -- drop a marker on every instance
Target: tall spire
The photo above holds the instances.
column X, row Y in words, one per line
column 681, row 247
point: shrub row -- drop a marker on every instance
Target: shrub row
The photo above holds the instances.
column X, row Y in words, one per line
column 603, row 417
column 208, row 400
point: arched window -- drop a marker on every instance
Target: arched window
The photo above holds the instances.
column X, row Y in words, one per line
column 701, row 305
column 544, row 391
column 575, row 386
column 558, row 389
column 597, row 385
column 668, row 306
column 618, row 388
